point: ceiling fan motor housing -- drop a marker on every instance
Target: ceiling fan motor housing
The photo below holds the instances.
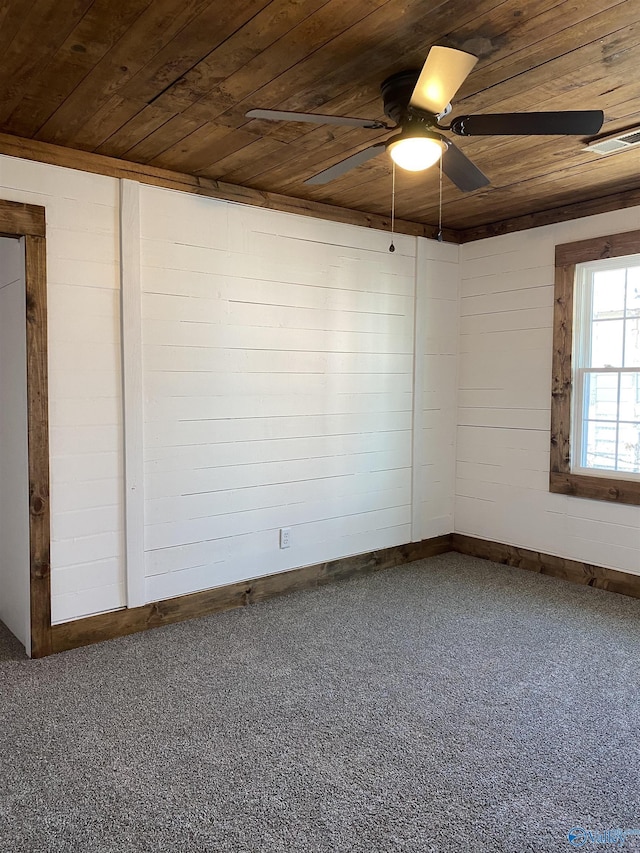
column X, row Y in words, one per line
column 396, row 94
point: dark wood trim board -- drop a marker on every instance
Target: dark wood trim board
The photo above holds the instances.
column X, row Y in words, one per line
column 595, row 488
column 589, row 207
column 28, row 221
column 38, row 431
column 598, row 248
column 119, row 623
column 562, row 480
column 575, row 571
column 20, row 220
column 70, row 158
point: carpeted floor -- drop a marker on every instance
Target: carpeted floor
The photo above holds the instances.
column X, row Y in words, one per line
column 451, row 705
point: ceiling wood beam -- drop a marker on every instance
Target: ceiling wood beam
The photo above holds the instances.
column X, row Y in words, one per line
column 69, row 158
column 616, row 201
column 57, row 155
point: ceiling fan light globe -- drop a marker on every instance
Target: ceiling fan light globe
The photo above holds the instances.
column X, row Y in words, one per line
column 416, row 153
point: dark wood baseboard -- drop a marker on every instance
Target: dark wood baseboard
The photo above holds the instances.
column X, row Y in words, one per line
column 119, row 623
column 546, row 564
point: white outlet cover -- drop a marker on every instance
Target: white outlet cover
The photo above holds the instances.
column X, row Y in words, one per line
column 285, row 537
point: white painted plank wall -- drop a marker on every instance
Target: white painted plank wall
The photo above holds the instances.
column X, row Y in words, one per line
column 278, row 363
column 279, row 390
column 506, row 320
column 84, row 381
column 437, row 286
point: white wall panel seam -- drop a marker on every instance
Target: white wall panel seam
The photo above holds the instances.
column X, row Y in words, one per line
column 419, row 347
column 132, row 391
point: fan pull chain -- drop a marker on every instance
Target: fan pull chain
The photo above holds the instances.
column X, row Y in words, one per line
column 392, row 248
column 440, row 238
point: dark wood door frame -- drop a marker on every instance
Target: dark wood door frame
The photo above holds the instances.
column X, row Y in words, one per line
column 28, row 221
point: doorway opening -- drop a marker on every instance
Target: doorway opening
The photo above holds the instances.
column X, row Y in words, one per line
column 15, row 596
column 25, row 590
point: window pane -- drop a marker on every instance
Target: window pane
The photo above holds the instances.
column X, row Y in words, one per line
column 629, row 447
column 605, row 420
column 601, row 391
column 632, row 343
column 608, row 294
column 630, row 397
column 600, row 444
column 606, row 343
column 633, row 291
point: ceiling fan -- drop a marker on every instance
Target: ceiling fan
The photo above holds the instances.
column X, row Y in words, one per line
column 417, row 101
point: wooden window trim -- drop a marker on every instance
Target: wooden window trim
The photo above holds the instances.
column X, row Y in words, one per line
column 561, row 478
column 28, row 221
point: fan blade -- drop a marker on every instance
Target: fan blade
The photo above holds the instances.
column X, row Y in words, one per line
column 344, row 165
column 316, row 118
column 444, row 71
column 459, row 169
column 580, row 122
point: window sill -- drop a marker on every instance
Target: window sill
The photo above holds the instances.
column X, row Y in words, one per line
column 596, row 488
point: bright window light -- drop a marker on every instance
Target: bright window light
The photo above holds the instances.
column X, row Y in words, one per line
column 606, row 368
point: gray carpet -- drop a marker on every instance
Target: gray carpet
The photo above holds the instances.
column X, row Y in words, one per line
column 452, row 705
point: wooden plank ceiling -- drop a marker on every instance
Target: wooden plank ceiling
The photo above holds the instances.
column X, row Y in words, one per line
column 167, row 83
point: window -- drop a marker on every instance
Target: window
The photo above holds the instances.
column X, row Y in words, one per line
column 605, row 417
column 595, row 407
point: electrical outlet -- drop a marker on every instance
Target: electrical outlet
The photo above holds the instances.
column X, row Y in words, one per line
column 285, row 537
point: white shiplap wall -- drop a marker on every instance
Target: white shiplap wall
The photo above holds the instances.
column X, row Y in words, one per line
column 84, row 381
column 436, row 332
column 506, row 320
column 296, row 374
column 278, row 390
